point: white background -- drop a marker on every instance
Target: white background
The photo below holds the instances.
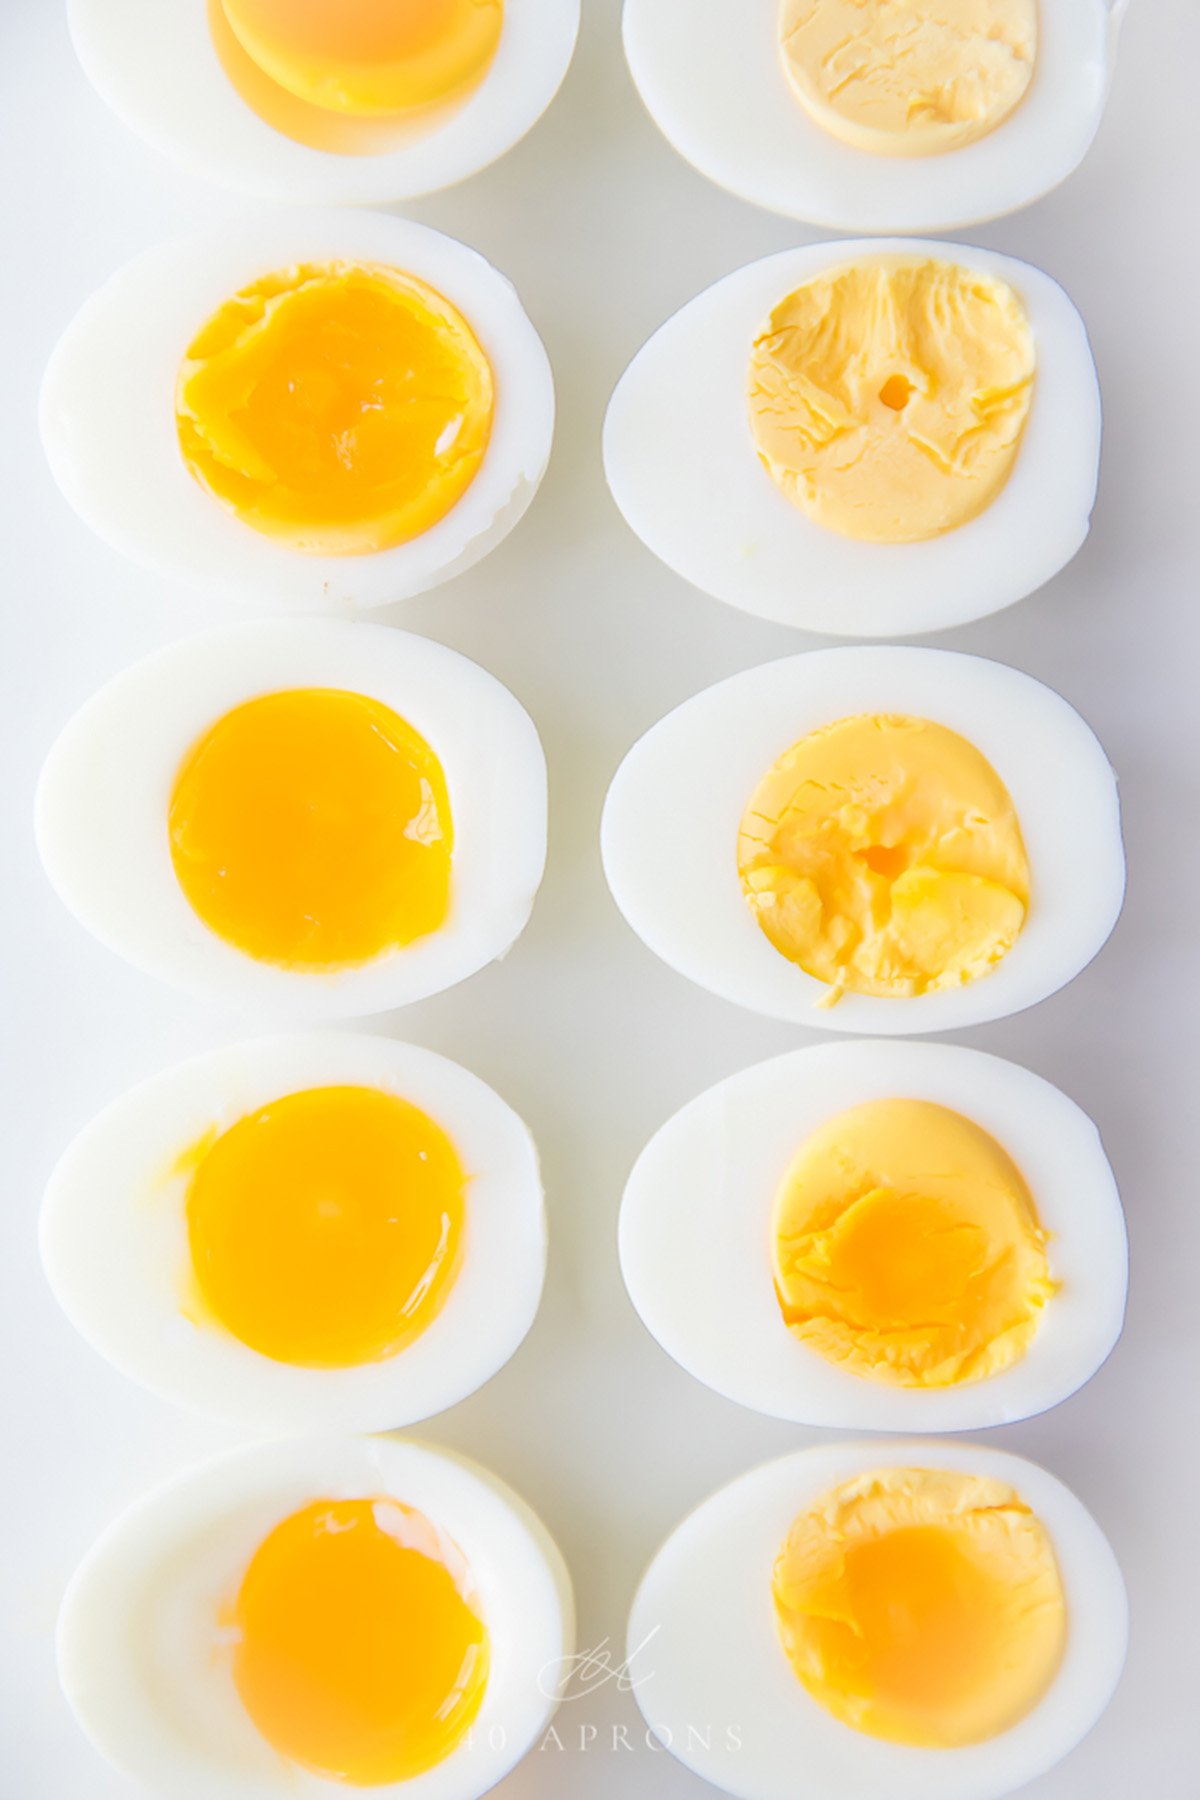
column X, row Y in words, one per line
column 605, row 232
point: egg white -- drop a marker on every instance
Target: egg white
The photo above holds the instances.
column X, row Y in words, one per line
column 716, row 88
column 682, row 466
column 670, row 826
column 107, row 413
column 104, row 793
column 708, row 1666
column 138, row 1632
column 157, row 67
column 695, row 1234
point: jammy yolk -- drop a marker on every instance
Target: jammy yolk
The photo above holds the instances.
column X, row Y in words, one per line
column 923, row 1606
column 888, row 398
column 359, row 1649
column 909, row 80
column 883, row 855
column 311, row 829
column 907, row 1247
column 339, row 408
column 326, row 1228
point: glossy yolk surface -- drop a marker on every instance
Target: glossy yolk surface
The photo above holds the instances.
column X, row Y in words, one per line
column 922, row 1605
column 907, row 1247
column 340, row 408
column 311, row 828
column 883, row 855
column 888, row 398
column 910, row 79
column 326, row 1228
column 370, row 57
column 359, row 1649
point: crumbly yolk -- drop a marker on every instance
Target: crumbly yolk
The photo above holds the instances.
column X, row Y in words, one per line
column 326, row 1228
column 888, row 397
column 909, row 79
column 359, row 1649
column 907, row 1247
column 311, row 828
column 370, row 57
column 923, row 1606
column 883, row 855
column 339, row 408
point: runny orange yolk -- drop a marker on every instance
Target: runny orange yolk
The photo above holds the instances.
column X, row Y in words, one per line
column 326, row 1228
column 339, row 408
column 359, row 1649
column 923, row 1606
column 311, row 829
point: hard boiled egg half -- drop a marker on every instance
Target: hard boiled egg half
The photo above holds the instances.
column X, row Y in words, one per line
column 921, row 1619
column 337, row 101
column 302, row 411
column 870, row 439
column 882, row 1237
column 871, row 840
column 303, row 1619
column 315, row 818
column 861, row 116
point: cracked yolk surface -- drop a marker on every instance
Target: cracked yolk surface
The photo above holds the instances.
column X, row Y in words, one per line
column 923, row 1606
column 887, row 399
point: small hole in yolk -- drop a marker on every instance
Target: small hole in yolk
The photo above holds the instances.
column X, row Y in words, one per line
column 896, row 392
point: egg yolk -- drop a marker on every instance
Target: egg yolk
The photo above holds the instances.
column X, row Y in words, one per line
column 923, row 1606
column 311, row 829
column 888, row 398
column 359, row 1649
column 338, row 408
column 883, row 855
column 326, row 1228
column 370, row 57
column 907, row 1247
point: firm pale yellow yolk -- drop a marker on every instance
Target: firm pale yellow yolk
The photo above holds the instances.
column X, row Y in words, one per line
column 370, row 57
column 359, row 1649
column 339, row 408
column 888, row 398
column 884, row 856
column 922, row 1605
column 907, row 1247
column 909, row 78
column 326, row 1228
column 311, row 828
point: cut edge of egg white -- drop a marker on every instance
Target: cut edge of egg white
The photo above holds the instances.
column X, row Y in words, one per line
column 696, row 1234
column 107, row 414
column 103, row 797
column 681, row 463
column 140, row 1655
column 671, row 818
column 718, row 91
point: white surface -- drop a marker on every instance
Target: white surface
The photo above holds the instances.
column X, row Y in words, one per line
column 606, row 232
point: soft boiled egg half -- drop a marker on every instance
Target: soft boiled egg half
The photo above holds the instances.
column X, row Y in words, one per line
column 869, row 439
column 881, row 1237
column 860, row 115
column 872, row 840
column 313, row 817
column 921, row 1619
column 337, row 101
column 305, row 1618
column 302, row 411
column 318, row 1232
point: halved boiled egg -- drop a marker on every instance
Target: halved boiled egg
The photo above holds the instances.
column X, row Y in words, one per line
column 299, row 1619
column 870, row 840
column 880, row 1237
column 870, row 439
column 860, row 115
column 336, row 101
column 315, row 817
column 313, row 412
